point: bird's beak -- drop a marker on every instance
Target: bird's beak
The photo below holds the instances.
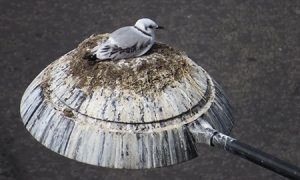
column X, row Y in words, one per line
column 160, row 27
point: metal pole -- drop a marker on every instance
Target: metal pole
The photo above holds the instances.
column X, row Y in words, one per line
column 256, row 156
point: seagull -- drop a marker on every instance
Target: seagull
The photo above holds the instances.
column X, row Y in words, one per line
column 126, row 42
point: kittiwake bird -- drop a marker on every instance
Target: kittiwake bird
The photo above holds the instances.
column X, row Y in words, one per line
column 126, row 42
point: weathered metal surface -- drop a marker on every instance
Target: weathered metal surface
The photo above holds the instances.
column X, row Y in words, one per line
column 130, row 113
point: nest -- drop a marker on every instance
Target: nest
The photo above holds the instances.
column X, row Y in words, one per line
column 160, row 67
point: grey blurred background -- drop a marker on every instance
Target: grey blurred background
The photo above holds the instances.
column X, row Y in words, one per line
column 251, row 48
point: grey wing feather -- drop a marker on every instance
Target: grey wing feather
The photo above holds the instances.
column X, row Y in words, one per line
column 128, row 37
column 123, row 43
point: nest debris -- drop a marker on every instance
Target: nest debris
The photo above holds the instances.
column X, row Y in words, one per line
column 160, row 67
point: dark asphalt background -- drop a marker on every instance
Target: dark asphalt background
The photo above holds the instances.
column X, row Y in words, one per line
column 251, row 48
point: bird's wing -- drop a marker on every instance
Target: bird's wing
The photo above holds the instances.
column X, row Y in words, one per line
column 123, row 43
column 128, row 37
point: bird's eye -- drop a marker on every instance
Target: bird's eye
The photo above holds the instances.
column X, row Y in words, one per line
column 150, row 26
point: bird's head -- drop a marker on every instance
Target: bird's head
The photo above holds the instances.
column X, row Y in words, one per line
column 147, row 25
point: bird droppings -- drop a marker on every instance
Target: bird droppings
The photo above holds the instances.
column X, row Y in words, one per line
column 160, row 67
column 71, row 105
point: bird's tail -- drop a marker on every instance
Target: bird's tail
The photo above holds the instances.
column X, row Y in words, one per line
column 91, row 56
